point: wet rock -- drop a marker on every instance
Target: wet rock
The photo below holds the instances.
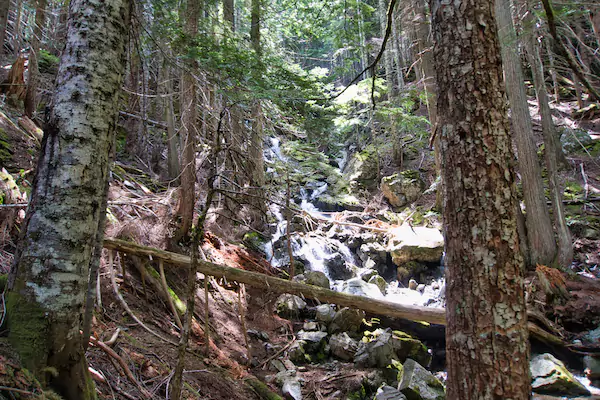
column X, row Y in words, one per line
column 592, row 369
column 289, row 306
column 358, row 287
column 325, row 313
column 290, row 385
column 297, row 352
column 592, row 336
column 419, row 384
column 374, row 251
column 417, row 243
column 412, row 284
column 389, row 393
column 550, row 376
column 347, row 320
column 363, row 167
column 312, row 326
column 337, row 267
column 402, row 188
column 315, row 278
column 421, row 288
column 379, row 282
column 343, row 346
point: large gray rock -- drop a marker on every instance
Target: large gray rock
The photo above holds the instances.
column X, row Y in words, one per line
column 417, row 243
column 290, row 385
column 402, row 188
column 325, row 313
column 379, row 282
column 389, row 393
column 419, row 384
column 315, row 341
column 575, row 140
column 289, row 306
column 346, row 320
column 358, row 287
column 549, row 375
column 343, row 346
column 362, row 169
column 383, row 346
column 315, row 278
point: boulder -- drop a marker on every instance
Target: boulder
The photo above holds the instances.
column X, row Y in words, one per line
column 388, row 393
column 362, row 169
column 358, row 287
column 550, row 376
column 419, row 384
column 296, row 352
column 592, row 369
column 402, row 188
column 343, row 346
column 379, row 282
column 374, row 251
column 347, row 320
column 337, row 267
column 290, row 385
column 382, row 347
column 325, row 313
column 575, row 140
column 289, row 306
column 411, row 269
column 417, row 243
column 315, row 341
column 315, row 278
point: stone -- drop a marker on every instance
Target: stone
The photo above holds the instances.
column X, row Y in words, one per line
column 382, row 347
column 374, row 251
column 402, row 188
column 337, row 267
column 363, row 168
column 297, row 353
column 574, row 140
column 419, row 384
column 290, row 385
column 592, row 367
column 317, row 278
column 343, row 346
column 417, row 243
column 412, row 284
column 314, row 341
column 358, row 287
column 550, row 376
column 367, row 274
column 389, row 393
column 410, row 269
column 379, row 282
column 421, row 288
column 289, row 306
column 325, row 313
column 347, row 320
column 311, row 326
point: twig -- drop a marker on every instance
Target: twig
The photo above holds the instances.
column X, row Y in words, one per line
column 16, row 390
column 586, row 185
column 274, row 356
column 166, row 289
column 126, row 306
column 102, row 346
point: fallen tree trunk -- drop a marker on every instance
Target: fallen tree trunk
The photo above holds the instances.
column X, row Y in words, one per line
column 432, row 315
column 277, row 285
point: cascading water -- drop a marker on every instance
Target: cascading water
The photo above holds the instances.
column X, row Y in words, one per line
column 319, row 251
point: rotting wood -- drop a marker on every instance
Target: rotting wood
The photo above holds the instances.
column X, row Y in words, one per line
column 432, row 315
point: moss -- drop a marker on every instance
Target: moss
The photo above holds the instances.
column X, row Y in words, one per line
column 261, row 389
column 360, row 394
column 573, row 190
column 180, row 305
column 48, row 63
column 3, row 280
column 5, row 152
column 29, row 330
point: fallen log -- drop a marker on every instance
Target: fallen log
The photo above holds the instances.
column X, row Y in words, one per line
column 432, row 315
column 277, row 285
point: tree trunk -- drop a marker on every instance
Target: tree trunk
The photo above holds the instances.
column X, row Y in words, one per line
column 228, row 13
column 398, row 49
column 4, row 7
column 540, row 236
column 34, row 73
column 189, row 101
column 48, row 282
column 169, row 113
column 255, row 26
column 387, row 55
column 16, row 42
column 552, row 153
column 486, row 336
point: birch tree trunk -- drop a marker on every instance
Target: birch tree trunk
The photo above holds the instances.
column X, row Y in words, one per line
column 48, row 282
column 486, row 337
column 540, row 235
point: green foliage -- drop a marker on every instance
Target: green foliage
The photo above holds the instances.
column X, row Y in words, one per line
column 48, row 63
column 5, row 153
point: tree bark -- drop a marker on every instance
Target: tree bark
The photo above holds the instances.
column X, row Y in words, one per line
column 4, row 7
column 34, row 73
column 255, row 26
column 540, row 235
column 228, row 13
column 486, row 336
column 387, row 55
column 553, row 148
column 48, row 282
column 189, row 113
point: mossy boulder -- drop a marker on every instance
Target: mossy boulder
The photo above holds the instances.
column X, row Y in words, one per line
column 419, row 384
column 289, row 306
column 575, row 140
column 402, row 188
column 315, row 278
column 384, row 347
column 346, row 320
column 363, row 168
column 407, row 243
column 550, row 376
column 343, row 346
